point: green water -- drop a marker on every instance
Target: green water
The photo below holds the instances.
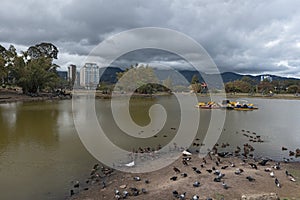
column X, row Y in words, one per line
column 41, row 153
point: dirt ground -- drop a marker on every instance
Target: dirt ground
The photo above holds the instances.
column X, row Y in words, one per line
column 160, row 186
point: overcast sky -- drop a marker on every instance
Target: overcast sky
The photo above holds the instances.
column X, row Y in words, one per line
column 249, row 36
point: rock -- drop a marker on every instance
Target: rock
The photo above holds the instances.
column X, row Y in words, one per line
column 123, row 186
column 270, row 196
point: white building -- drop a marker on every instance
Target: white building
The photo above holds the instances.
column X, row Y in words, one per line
column 266, row 77
column 89, row 75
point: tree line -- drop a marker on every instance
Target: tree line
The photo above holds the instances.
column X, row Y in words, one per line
column 33, row 70
column 248, row 85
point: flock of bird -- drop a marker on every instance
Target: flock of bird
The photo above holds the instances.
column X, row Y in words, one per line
column 216, row 167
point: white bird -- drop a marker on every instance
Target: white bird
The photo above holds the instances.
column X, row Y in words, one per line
column 131, row 164
column 292, row 179
column 195, row 197
column 185, row 152
column 272, row 174
column 268, row 170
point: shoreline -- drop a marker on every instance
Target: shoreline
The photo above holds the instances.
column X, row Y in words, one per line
column 9, row 96
column 158, row 185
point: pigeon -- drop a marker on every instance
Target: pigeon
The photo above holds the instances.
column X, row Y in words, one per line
column 185, row 163
column 253, row 165
column 182, row 196
column 277, row 166
column 176, row 170
column 137, row 178
column 268, row 170
column 175, row 194
column 239, row 171
column 195, row 197
column 174, row 178
column 217, row 179
column 224, row 185
column 272, row 174
column 224, row 167
column 263, row 162
column 184, row 175
column 217, row 172
column 76, row 185
column 144, row 191
column 125, row 194
column 117, row 192
column 209, row 170
column 196, row 184
column 250, row 178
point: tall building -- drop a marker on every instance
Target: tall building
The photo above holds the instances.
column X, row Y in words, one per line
column 89, row 75
column 72, row 74
column 266, row 78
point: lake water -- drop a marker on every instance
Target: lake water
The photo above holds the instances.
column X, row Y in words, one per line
column 41, row 153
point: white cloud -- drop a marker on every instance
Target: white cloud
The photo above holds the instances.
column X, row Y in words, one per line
column 248, row 36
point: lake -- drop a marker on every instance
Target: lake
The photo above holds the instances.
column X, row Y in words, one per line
column 41, row 153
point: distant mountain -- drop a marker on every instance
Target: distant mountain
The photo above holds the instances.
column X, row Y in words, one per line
column 184, row 77
column 109, row 74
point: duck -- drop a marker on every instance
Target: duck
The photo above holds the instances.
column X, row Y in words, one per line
column 284, row 148
column 277, row 183
column 137, row 178
column 272, row 174
column 195, row 197
column 173, row 178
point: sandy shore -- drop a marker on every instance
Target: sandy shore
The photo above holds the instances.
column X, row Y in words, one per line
column 160, row 186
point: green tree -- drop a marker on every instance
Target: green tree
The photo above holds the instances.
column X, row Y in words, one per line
column 168, row 83
column 293, row 89
column 195, row 79
column 141, row 79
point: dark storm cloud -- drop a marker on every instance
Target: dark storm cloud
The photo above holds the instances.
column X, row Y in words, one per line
column 243, row 36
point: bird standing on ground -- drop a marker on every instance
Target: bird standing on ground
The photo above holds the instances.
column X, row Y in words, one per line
column 224, row 185
column 176, row 170
column 277, row 183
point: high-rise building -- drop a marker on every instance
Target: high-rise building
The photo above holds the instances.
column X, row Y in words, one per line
column 72, row 74
column 89, row 75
